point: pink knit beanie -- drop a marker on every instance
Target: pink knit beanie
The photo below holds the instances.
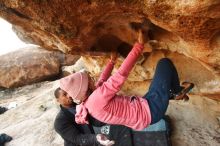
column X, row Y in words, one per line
column 76, row 85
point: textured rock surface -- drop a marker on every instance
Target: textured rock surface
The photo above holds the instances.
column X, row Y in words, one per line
column 189, row 70
column 27, row 66
column 189, row 27
column 194, row 122
column 28, row 123
column 188, row 32
column 30, row 65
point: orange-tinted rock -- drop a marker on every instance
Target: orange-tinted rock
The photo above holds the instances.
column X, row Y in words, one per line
column 76, row 25
column 191, row 27
column 27, row 66
column 140, row 77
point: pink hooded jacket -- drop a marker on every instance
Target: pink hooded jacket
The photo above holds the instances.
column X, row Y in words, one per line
column 106, row 106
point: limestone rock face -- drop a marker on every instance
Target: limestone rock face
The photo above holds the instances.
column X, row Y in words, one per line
column 187, row 32
column 140, row 77
column 32, row 121
column 27, row 66
column 189, row 27
column 32, row 64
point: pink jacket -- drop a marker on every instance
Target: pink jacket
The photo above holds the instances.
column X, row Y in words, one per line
column 106, row 106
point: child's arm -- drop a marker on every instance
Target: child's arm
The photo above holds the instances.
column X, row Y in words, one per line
column 107, row 71
column 105, row 74
column 130, row 60
column 132, row 57
column 109, row 88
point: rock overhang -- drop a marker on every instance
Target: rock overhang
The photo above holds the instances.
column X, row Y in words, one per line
column 81, row 27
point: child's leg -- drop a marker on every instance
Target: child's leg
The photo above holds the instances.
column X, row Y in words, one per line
column 166, row 72
column 164, row 80
column 175, row 84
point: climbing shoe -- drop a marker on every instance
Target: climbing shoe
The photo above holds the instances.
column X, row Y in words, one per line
column 187, row 86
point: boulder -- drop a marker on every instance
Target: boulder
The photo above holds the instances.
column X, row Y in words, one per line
column 187, row 32
column 189, row 27
column 65, row 59
column 31, row 121
column 195, row 122
column 26, row 66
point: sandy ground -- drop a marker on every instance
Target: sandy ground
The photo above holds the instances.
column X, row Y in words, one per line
column 28, row 123
column 194, row 123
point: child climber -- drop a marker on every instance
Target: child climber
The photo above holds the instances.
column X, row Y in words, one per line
column 135, row 112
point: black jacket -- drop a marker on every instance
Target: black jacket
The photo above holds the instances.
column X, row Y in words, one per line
column 73, row 133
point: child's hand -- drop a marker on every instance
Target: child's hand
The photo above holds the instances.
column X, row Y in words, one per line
column 114, row 56
column 103, row 140
column 143, row 36
column 140, row 37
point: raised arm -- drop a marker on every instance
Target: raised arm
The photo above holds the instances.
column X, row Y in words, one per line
column 130, row 60
column 132, row 57
column 109, row 88
column 105, row 74
column 108, row 70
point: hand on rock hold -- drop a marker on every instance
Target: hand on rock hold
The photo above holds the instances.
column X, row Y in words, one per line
column 114, row 56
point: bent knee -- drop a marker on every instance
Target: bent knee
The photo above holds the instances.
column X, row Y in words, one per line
column 165, row 61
